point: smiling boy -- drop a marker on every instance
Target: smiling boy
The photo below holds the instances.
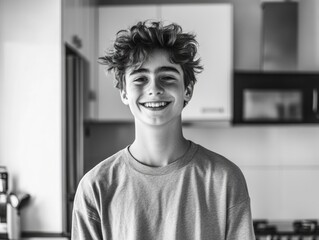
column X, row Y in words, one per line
column 162, row 186
column 156, row 94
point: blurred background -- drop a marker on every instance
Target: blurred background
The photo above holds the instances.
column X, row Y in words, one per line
column 255, row 103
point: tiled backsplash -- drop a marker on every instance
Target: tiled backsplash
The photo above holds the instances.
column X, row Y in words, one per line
column 281, row 164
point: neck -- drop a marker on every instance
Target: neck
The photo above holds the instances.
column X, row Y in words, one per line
column 158, row 145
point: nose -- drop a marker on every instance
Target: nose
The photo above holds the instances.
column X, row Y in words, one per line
column 155, row 88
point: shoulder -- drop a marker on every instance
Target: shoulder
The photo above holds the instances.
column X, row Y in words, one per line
column 103, row 175
column 98, row 181
column 223, row 172
column 107, row 170
column 216, row 162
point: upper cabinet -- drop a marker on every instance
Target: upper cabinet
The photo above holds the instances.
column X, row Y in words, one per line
column 308, row 35
column 79, row 32
column 213, row 26
column 111, row 20
column 79, row 25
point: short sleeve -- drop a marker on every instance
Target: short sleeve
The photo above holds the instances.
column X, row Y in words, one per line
column 86, row 223
column 239, row 222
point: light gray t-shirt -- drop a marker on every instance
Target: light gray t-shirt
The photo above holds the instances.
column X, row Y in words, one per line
column 200, row 196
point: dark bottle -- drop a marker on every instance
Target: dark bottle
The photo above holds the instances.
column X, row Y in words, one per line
column 3, row 180
column 3, row 201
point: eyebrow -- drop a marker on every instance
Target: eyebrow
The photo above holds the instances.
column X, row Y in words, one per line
column 158, row 70
column 167, row 69
column 139, row 70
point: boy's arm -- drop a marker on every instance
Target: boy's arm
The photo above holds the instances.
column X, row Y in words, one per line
column 84, row 226
column 239, row 222
column 86, row 223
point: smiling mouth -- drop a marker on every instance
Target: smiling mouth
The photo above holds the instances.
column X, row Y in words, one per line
column 155, row 105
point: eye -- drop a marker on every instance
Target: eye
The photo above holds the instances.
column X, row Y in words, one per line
column 168, row 78
column 140, row 80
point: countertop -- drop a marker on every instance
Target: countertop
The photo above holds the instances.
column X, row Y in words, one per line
column 48, row 238
column 40, row 237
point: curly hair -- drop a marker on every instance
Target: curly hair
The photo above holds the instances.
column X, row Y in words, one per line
column 132, row 46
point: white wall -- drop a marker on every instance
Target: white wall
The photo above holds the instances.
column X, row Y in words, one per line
column 30, row 107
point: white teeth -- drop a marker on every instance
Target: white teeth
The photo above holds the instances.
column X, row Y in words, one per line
column 155, row 104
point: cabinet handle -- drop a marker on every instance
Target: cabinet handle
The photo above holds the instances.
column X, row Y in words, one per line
column 208, row 110
column 315, row 100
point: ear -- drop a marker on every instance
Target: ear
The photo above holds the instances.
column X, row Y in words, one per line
column 188, row 92
column 124, row 97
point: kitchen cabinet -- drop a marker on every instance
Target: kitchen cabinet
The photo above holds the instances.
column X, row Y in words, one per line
column 212, row 94
column 212, row 24
column 111, row 20
column 79, row 21
column 308, row 37
column 79, row 25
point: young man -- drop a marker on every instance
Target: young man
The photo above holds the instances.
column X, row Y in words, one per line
column 162, row 186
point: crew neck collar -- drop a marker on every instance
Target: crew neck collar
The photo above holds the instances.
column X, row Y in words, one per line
column 173, row 166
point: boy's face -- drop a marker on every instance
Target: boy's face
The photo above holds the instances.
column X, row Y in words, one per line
column 155, row 92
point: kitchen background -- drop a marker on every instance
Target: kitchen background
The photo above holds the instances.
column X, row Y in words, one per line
column 280, row 162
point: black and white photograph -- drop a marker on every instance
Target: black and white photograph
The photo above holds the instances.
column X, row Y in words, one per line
column 159, row 120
